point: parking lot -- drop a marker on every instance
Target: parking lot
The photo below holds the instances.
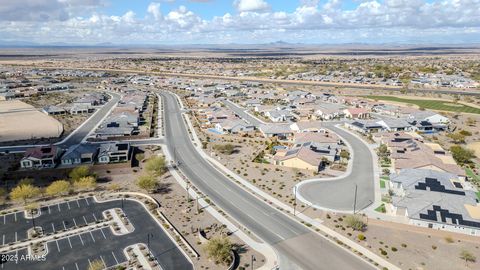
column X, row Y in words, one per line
column 77, row 251
column 53, row 218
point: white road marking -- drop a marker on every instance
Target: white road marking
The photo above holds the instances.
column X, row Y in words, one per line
column 85, row 220
column 102, row 233
column 93, row 238
column 59, row 210
column 76, row 265
column 53, row 227
column 113, row 254
column 74, row 222
column 69, row 242
column 15, row 216
column 80, row 236
column 16, row 237
column 94, row 216
column 4, row 222
column 58, row 247
column 63, row 267
column 49, row 211
column 86, row 201
column 68, row 205
column 64, row 226
column 104, row 264
column 3, row 241
column 89, row 262
column 78, row 203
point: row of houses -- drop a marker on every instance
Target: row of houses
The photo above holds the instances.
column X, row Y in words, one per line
column 85, row 153
column 125, row 118
column 82, row 105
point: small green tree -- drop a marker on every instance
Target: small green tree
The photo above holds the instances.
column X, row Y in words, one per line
column 79, row 172
column 97, row 265
column 219, row 249
column 344, row 155
column 147, row 182
column 156, row 165
column 467, row 256
column 24, row 193
column 383, row 151
column 355, row 222
column 456, row 137
column 461, row 155
column 59, row 187
column 85, row 183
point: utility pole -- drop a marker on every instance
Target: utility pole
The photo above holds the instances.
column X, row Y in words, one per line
column 355, row 199
column 294, row 200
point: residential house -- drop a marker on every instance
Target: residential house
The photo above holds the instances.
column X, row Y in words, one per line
column 53, row 110
column 280, row 131
column 114, row 152
column 436, row 200
column 40, row 157
column 303, row 156
column 80, row 154
column 357, row 113
column 234, row 126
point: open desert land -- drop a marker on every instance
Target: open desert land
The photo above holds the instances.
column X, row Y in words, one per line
column 20, row 121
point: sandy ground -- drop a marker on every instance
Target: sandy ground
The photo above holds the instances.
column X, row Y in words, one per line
column 475, row 146
column 20, row 121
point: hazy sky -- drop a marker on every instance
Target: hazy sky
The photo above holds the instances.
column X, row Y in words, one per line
column 240, row 21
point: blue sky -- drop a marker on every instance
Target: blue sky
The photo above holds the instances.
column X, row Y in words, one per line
column 240, row 21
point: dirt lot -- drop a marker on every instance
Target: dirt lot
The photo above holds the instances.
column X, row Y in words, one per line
column 411, row 247
column 21, row 121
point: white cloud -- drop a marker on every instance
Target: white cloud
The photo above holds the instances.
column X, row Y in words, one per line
column 154, row 10
column 251, row 5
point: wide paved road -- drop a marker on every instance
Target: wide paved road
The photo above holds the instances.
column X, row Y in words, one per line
column 81, row 132
column 340, row 194
column 242, row 112
column 294, row 242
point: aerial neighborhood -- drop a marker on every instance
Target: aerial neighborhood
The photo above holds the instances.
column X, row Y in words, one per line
column 383, row 174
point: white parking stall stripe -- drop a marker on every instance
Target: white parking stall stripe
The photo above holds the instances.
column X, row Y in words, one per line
column 85, row 220
column 15, row 216
column 74, row 222
column 93, row 238
column 58, row 247
column 53, row 227
column 89, row 263
column 49, row 211
column 68, row 205
column 86, row 201
column 64, row 226
column 4, row 220
column 113, row 254
column 78, row 203
column 104, row 264
column 63, row 267
column 3, row 241
column 80, row 236
column 69, row 242
column 16, row 237
column 94, row 216
column 59, row 210
column 76, row 265
column 103, row 233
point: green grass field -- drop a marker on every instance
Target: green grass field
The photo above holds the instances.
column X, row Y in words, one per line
column 381, row 209
column 431, row 104
column 382, row 184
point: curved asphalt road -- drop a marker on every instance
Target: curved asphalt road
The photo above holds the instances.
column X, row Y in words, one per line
column 294, row 243
column 339, row 194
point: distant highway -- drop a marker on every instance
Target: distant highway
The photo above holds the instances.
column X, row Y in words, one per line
column 295, row 244
column 278, row 81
